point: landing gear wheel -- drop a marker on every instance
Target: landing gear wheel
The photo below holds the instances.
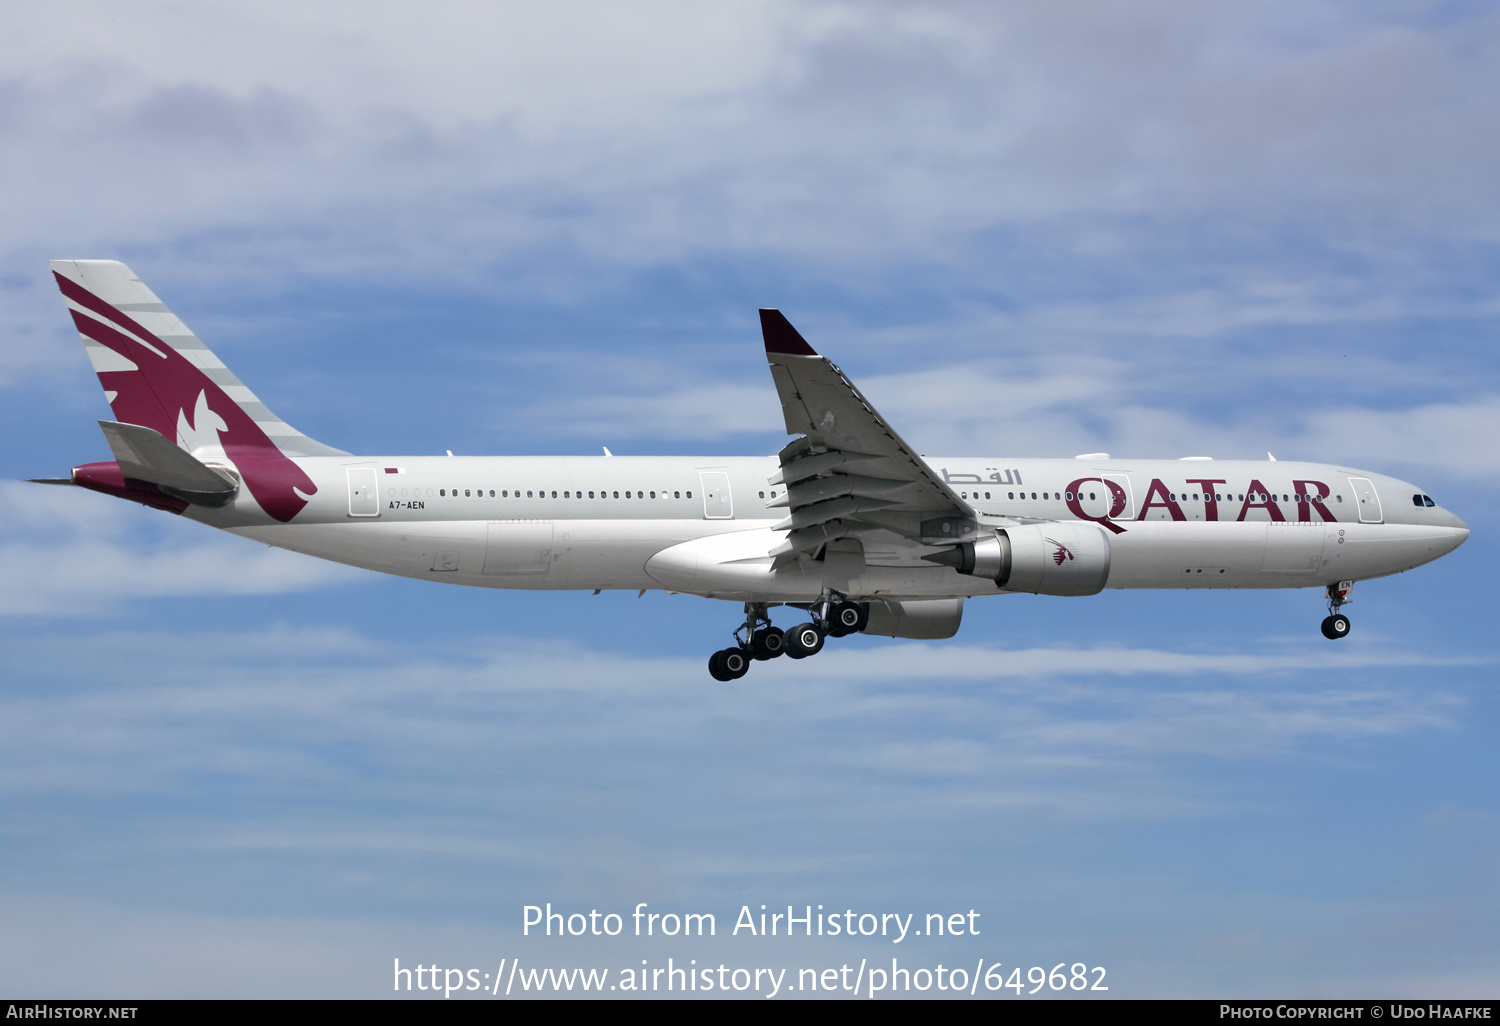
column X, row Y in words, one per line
column 1336, row 627
column 804, row 640
column 736, row 662
column 767, row 643
column 729, row 664
column 847, row 618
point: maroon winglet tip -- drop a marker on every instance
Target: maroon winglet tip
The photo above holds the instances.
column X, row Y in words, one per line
column 781, row 337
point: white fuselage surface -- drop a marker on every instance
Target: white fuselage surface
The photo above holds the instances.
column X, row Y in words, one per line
column 704, row 527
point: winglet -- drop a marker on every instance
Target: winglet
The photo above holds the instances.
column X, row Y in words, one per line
column 781, row 337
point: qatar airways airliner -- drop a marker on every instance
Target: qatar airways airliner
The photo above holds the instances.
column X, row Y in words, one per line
column 846, row 523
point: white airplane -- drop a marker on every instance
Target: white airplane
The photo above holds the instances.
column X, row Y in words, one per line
column 847, row 522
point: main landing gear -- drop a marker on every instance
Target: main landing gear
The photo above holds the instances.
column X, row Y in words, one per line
column 758, row 640
column 1336, row 624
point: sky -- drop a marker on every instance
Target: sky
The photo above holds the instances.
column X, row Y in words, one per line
column 1155, row 230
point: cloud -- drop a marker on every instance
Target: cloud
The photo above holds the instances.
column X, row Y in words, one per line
column 277, row 707
column 66, row 551
column 1053, row 405
column 133, row 952
column 827, row 132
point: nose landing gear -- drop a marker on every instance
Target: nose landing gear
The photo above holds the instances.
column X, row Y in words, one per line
column 1336, row 624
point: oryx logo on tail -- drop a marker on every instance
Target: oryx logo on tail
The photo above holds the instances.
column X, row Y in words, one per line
column 170, row 382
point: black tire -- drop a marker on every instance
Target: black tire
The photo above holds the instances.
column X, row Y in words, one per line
column 767, row 643
column 846, row 618
column 843, row 618
column 1336, row 627
column 804, row 640
column 716, row 667
column 735, row 662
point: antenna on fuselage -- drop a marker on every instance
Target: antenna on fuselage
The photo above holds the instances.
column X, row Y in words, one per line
column 1270, row 457
column 606, row 450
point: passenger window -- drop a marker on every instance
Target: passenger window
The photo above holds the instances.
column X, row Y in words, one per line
column 554, row 495
column 528, row 493
column 1010, row 495
column 689, row 495
column 1091, row 496
column 617, row 495
column 986, row 495
column 1033, row 495
column 442, row 491
column 653, row 495
column 676, row 495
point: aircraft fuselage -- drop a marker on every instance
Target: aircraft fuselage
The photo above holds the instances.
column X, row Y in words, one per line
column 602, row 522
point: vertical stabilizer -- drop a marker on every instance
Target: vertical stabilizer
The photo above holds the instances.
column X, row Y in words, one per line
column 157, row 374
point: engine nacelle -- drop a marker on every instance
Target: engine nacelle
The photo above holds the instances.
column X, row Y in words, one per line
column 925, row 619
column 1042, row 559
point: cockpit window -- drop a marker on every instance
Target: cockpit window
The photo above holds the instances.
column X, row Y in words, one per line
column 1416, row 500
column 1422, row 500
column 1427, row 501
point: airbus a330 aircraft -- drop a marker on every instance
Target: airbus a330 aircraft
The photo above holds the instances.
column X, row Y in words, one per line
column 847, row 522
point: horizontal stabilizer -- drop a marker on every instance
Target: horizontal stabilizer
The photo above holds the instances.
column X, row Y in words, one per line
column 147, row 455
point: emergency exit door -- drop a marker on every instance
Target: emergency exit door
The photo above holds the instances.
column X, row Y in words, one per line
column 364, row 493
column 718, row 504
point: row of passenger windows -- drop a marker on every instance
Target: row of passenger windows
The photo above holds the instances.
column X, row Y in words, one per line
column 540, row 493
column 1262, row 497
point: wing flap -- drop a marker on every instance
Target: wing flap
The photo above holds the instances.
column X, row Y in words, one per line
column 849, row 462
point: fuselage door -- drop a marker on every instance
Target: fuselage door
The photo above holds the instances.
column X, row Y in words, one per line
column 1118, row 486
column 364, row 497
column 1369, row 502
column 718, row 504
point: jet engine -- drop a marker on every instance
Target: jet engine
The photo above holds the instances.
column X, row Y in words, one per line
column 1042, row 559
column 925, row 619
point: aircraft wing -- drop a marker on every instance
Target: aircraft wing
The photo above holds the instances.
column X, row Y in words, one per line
column 849, row 472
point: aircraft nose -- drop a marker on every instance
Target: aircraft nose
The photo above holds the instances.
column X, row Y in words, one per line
column 1459, row 529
